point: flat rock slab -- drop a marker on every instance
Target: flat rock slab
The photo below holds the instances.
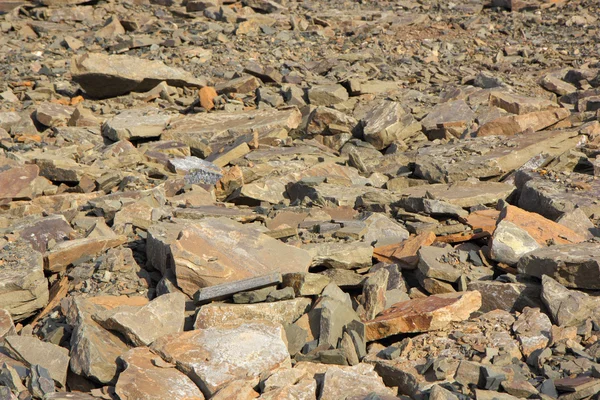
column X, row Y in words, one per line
column 340, row 255
column 360, row 380
column 218, row 250
column 463, row 194
column 216, row 356
column 209, row 133
column 387, row 122
column 23, row 286
column 53, row 114
column 165, row 314
column 18, row 182
column 32, row 351
column 135, row 124
column 574, row 265
column 144, row 379
column 196, row 170
column 68, row 252
column 103, row 76
column 507, row 296
column 422, row 315
column 404, row 253
column 283, row 312
column 488, row 157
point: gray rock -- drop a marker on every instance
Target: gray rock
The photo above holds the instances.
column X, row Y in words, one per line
column 573, row 265
column 196, row 170
column 32, row 351
column 341, row 255
column 387, row 122
column 568, row 307
column 432, row 264
column 382, row 230
column 135, row 124
column 508, row 296
column 335, row 315
column 327, row 95
column 510, row 242
column 7, row 326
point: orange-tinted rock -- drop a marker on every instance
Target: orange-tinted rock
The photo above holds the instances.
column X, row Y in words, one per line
column 483, row 220
column 541, row 229
column 142, row 379
column 404, row 253
column 422, row 315
column 513, row 124
column 67, row 252
column 517, row 104
column 207, row 95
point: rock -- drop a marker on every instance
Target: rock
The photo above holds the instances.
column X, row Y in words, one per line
column 517, row 104
column 574, row 266
column 19, row 183
column 143, row 378
column 422, row 315
column 519, row 232
column 207, row 95
column 433, row 265
column 507, row 296
column 165, row 314
column 515, row 124
column 335, row 315
column 532, row 328
column 243, row 84
column 328, row 121
column 340, row 255
column 136, row 124
column 382, row 230
column 94, row 350
column 203, row 256
column 215, row 356
column 267, row 6
column 103, row 76
column 327, row 95
column 7, row 326
column 450, row 119
column 578, row 221
column 196, row 170
column 52, row 114
column 68, row 252
column 374, row 289
column 405, row 253
column 463, row 194
column 283, row 312
column 23, row 286
column 359, row 380
column 33, row 351
column 567, row 307
column 387, row 122
column 306, row 284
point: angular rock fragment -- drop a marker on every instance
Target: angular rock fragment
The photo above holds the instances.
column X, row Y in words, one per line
column 218, row 250
column 136, row 124
column 103, row 76
column 386, row 123
column 143, row 377
column 216, row 356
column 359, row 380
column 517, row 104
column 340, row 255
column 567, row 307
column 19, row 183
column 515, row 124
column 52, row 114
column 196, row 170
column 451, row 119
column 422, row 315
column 532, row 328
column 572, row 265
column 69, row 251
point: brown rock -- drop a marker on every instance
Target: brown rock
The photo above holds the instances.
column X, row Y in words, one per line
column 422, row 315
column 18, row 182
column 514, row 124
column 207, row 95
column 144, row 379
column 66, row 253
column 404, row 253
column 517, row 104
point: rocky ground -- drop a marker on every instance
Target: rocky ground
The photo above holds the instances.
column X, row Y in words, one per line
column 300, row 199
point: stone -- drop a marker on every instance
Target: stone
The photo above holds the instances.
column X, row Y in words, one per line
column 243, row 84
column 70, row 251
column 195, row 170
column 567, row 307
column 207, row 95
column 40, row 383
column 578, row 221
column 18, row 182
column 532, row 328
column 432, row 264
column 335, row 315
column 517, row 104
column 463, row 194
column 328, row 121
column 7, row 326
column 103, row 76
column 136, row 124
column 216, row 356
column 374, row 290
column 422, row 315
column 450, row 119
column 387, row 122
column 306, row 284
column 165, row 314
column 508, row 296
column 202, row 254
column 519, row 388
column 327, row 95
column 32, row 351
column 519, row 232
column 340, row 255
column 53, row 114
column 94, row 350
column 404, row 253
column 143, row 378
column 283, row 312
column 23, row 286
column 359, row 380
column 40, row 231
column 572, row 265
column 515, row 124
column 382, row 230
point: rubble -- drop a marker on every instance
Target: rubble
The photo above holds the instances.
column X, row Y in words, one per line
column 299, row 200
